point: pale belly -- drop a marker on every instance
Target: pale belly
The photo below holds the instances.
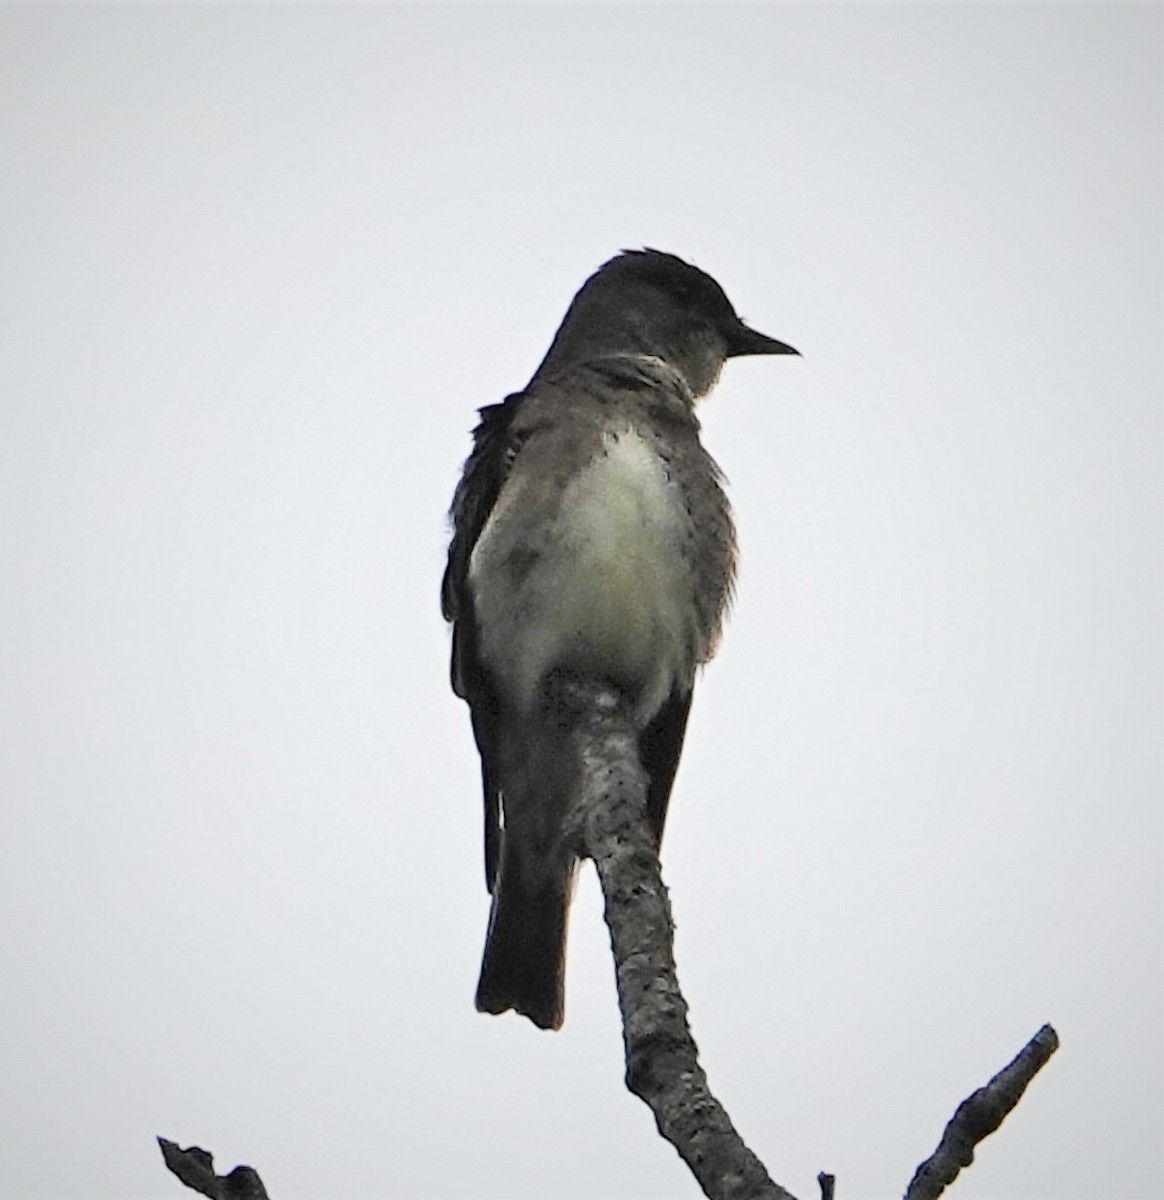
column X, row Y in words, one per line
column 603, row 587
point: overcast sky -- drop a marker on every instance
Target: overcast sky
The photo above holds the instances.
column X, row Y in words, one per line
column 258, row 268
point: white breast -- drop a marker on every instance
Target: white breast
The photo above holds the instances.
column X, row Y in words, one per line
column 607, row 589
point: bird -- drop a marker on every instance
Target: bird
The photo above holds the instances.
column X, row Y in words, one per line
column 592, row 540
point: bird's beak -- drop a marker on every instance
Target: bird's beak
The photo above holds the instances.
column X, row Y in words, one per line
column 748, row 341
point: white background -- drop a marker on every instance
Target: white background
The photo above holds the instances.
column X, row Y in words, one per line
column 259, row 266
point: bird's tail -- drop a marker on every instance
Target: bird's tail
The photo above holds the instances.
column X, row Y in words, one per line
column 524, row 965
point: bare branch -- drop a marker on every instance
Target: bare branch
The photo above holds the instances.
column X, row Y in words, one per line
column 609, row 825
column 979, row 1115
column 195, row 1168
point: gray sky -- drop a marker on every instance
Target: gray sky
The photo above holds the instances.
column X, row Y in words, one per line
column 259, row 266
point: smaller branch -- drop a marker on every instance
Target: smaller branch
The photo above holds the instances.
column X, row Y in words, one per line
column 979, row 1115
column 828, row 1185
column 195, row 1168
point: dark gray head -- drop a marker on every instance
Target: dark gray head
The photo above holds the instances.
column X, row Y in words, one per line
column 648, row 302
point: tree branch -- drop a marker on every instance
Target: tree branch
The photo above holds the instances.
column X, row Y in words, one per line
column 609, row 825
column 979, row 1115
column 195, row 1168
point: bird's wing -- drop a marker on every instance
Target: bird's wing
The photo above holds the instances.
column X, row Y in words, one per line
column 494, row 448
column 499, row 438
column 564, row 410
column 485, row 471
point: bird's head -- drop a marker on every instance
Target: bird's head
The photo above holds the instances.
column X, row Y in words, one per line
column 650, row 302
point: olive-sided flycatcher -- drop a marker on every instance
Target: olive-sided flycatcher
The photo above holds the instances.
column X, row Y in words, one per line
column 592, row 540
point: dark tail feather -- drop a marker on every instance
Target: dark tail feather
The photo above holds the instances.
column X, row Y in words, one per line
column 524, row 966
